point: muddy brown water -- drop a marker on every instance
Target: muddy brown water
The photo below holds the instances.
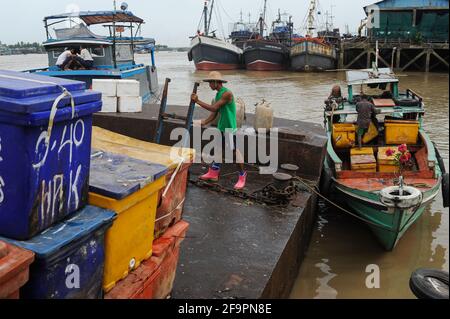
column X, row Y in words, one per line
column 341, row 247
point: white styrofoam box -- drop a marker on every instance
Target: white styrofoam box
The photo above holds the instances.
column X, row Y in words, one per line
column 108, row 87
column 128, row 88
column 130, row 104
column 109, row 104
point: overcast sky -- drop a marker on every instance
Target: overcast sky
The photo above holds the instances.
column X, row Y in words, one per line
column 170, row 22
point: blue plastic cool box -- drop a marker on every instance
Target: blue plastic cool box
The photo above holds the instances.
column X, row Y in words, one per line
column 70, row 257
column 45, row 143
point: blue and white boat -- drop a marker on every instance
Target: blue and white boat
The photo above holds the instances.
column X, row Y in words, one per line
column 113, row 54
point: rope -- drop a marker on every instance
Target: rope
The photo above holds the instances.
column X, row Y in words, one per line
column 313, row 189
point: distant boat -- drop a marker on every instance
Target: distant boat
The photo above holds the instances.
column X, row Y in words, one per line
column 211, row 53
column 313, row 53
column 243, row 32
column 269, row 53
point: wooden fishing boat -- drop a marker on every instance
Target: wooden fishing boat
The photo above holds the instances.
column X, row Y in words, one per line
column 367, row 180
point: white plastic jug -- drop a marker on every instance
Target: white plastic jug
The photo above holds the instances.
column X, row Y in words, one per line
column 240, row 112
column 263, row 116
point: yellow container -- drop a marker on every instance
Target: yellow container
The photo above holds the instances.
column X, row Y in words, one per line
column 361, row 151
column 165, row 155
column 364, row 163
column 371, row 134
column 387, row 164
column 130, row 188
column 344, row 135
column 401, row 132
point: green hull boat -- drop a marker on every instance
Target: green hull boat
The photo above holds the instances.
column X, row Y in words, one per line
column 387, row 201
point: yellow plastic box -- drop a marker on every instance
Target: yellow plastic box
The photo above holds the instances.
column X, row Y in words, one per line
column 361, row 151
column 171, row 206
column 401, row 132
column 387, row 164
column 129, row 187
column 364, row 163
column 344, row 135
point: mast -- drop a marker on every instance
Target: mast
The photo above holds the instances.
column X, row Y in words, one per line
column 210, row 15
column 262, row 19
column 312, row 10
column 205, row 16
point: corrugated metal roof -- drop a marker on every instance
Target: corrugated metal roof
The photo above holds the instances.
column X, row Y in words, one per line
column 420, row 4
column 99, row 17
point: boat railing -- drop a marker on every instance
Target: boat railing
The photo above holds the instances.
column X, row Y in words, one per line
column 414, row 95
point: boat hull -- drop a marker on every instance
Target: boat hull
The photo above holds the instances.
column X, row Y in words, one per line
column 309, row 56
column 210, row 54
column 387, row 224
column 265, row 56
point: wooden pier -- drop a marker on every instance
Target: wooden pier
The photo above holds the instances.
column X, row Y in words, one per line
column 401, row 56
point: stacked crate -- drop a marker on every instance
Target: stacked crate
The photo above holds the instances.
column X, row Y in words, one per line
column 119, row 95
column 45, row 143
column 155, row 277
column 129, row 187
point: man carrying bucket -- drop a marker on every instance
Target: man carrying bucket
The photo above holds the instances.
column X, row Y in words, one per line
column 224, row 106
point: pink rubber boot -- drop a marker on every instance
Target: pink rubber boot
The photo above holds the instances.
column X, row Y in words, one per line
column 211, row 176
column 241, row 182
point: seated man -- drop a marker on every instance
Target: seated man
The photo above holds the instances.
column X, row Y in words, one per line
column 85, row 58
column 366, row 114
column 65, row 59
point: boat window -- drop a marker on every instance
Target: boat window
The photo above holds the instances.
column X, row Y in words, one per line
column 123, row 53
column 57, row 53
column 98, row 52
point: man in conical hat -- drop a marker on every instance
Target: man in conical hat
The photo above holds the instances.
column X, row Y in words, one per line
column 225, row 106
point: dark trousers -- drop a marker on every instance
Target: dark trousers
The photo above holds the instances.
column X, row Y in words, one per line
column 65, row 63
column 86, row 64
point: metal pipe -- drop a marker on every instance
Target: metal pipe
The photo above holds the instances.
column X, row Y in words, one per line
column 152, row 54
column 114, row 36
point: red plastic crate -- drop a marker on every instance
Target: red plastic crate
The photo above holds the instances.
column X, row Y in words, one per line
column 170, row 209
column 155, row 277
column 14, row 270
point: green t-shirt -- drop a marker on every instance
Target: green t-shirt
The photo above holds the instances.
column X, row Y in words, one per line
column 227, row 113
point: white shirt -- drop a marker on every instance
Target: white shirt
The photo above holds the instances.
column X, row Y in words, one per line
column 63, row 56
column 86, row 55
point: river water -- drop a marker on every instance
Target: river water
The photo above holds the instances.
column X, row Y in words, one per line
column 341, row 248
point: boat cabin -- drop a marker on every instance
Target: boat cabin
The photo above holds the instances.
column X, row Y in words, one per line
column 111, row 51
column 113, row 54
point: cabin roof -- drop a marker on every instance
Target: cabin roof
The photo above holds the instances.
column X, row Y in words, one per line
column 368, row 76
column 99, row 17
column 69, row 42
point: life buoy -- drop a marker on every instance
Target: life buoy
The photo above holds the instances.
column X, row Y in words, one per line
column 429, row 284
column 411, row 197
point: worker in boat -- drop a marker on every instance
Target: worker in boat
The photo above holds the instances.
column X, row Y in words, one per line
column 65, row 59
column 334, row 100
column 366, row 114
column 224, row 106
column 84, row 58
